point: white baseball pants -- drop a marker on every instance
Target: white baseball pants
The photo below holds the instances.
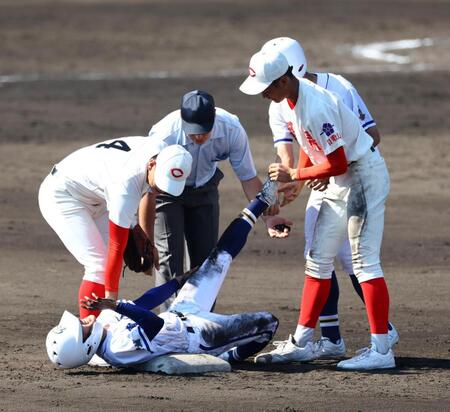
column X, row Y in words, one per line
column 353, row 206
column 215, row 333
column 83, row 228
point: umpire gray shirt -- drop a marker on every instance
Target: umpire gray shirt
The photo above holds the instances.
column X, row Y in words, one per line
column 228, row 141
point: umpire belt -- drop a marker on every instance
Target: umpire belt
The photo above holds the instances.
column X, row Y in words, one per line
column 183, row 317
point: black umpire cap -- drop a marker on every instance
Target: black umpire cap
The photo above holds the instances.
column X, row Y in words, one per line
column 197, row 112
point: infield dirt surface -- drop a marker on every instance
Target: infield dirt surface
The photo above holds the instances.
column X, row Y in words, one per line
column 50, row 105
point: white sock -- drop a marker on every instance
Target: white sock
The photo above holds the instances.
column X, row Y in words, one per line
column 380, row 342
column 303, row 335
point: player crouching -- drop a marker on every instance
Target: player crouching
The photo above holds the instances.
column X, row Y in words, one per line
column 127, row 333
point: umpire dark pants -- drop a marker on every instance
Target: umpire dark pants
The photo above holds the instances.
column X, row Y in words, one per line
column 193, row 216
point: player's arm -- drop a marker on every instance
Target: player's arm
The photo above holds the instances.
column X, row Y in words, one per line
column 147, row 214
column 375, row 134
column 290, row 190
column 118, row 237
column 335, row 164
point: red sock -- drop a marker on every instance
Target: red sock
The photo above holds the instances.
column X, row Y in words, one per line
column 314, row 296
column 376, row 296
column 86, row 289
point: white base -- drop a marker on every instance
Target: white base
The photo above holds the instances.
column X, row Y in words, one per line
column 184, row 363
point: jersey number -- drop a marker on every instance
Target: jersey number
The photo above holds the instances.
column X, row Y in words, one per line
column 116, row 144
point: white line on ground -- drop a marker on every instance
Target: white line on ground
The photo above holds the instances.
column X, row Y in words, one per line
column 372, row 51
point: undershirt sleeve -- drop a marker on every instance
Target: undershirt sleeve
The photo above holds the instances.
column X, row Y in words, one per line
column 118, row 238
column 148, row 321
column 334, row 165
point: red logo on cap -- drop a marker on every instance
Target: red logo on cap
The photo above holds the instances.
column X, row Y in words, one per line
column 176, row 172
column 251, row 72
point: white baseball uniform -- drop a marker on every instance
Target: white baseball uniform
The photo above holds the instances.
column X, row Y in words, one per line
column 97, row 183
column 322, row 123
column 283, row 133
column 189, row 326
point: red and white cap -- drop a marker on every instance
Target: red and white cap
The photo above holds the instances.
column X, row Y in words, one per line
column 173, row 166
column 292, row 50
column 264, row 68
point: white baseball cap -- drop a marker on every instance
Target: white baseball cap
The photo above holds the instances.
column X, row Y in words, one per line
column 173, row 166
column 293, row 52
column 264, row 68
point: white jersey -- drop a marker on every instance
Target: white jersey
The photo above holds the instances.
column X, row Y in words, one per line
column 322, row 123
column 279, row 113
column 228, row 141
column 111, row 175
column 126, row 343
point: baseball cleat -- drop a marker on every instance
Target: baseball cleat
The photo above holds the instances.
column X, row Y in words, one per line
column 325, row 349
column 287, row 351
column 369, row 359
column 268, row 193
column 393, row 336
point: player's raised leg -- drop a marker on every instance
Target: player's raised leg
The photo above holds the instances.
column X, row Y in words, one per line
column 200, row 291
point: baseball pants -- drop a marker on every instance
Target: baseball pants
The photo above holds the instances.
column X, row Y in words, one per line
column 82, row 228
column 353, row 206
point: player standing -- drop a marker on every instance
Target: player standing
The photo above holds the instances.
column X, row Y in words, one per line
column 91, row 198
column 331, row 344
column 333, row 145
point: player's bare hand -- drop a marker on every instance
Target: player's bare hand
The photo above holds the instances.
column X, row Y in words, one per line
column 318, row 184
column 281, row 173
column 96, row 303
column 290, row 191
column 278, row 227
column 272, row 210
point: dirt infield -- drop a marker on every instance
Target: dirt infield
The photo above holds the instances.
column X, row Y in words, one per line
column 50, row 105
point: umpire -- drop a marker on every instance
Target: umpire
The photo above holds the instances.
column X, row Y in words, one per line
column 210, row 134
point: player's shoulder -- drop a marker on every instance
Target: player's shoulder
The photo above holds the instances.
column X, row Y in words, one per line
column 225, row 119
column 168, row 124
column 334, row 82
column 313, row 93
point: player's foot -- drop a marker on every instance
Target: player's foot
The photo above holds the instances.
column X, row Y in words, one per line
column 268, row 193
column 393, row 336
column 369, row 359
column 287, row 351
column 98, row 361
column 325, row 349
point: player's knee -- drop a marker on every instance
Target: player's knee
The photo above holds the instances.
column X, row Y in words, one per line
column 368, row 272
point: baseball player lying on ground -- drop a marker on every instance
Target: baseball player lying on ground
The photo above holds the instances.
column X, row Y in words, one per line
column 129, row 333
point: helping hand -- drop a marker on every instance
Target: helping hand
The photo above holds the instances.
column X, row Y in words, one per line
column 281, row 173
column 290, row 191
column 278, row 227
column 98, row 303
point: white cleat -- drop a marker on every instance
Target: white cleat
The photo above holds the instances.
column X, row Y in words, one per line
column 325, row 349
column 369, row 359
column 269, row 192
column 393, row 336
column 99, row 362
column 287, row 351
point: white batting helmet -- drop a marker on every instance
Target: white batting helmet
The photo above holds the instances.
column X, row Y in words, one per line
column 65, row 346
column 293, row 52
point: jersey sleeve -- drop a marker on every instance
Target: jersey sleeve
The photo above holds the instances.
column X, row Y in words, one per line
column 279, row 126
column 326, row 128
column 354, row 101
column 241, row 158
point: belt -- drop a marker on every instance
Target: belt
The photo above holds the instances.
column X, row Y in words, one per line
column 183, row 317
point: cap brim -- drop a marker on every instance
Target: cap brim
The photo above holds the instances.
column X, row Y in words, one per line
column 194, row 128
column 252, row 86
column 173, row 188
